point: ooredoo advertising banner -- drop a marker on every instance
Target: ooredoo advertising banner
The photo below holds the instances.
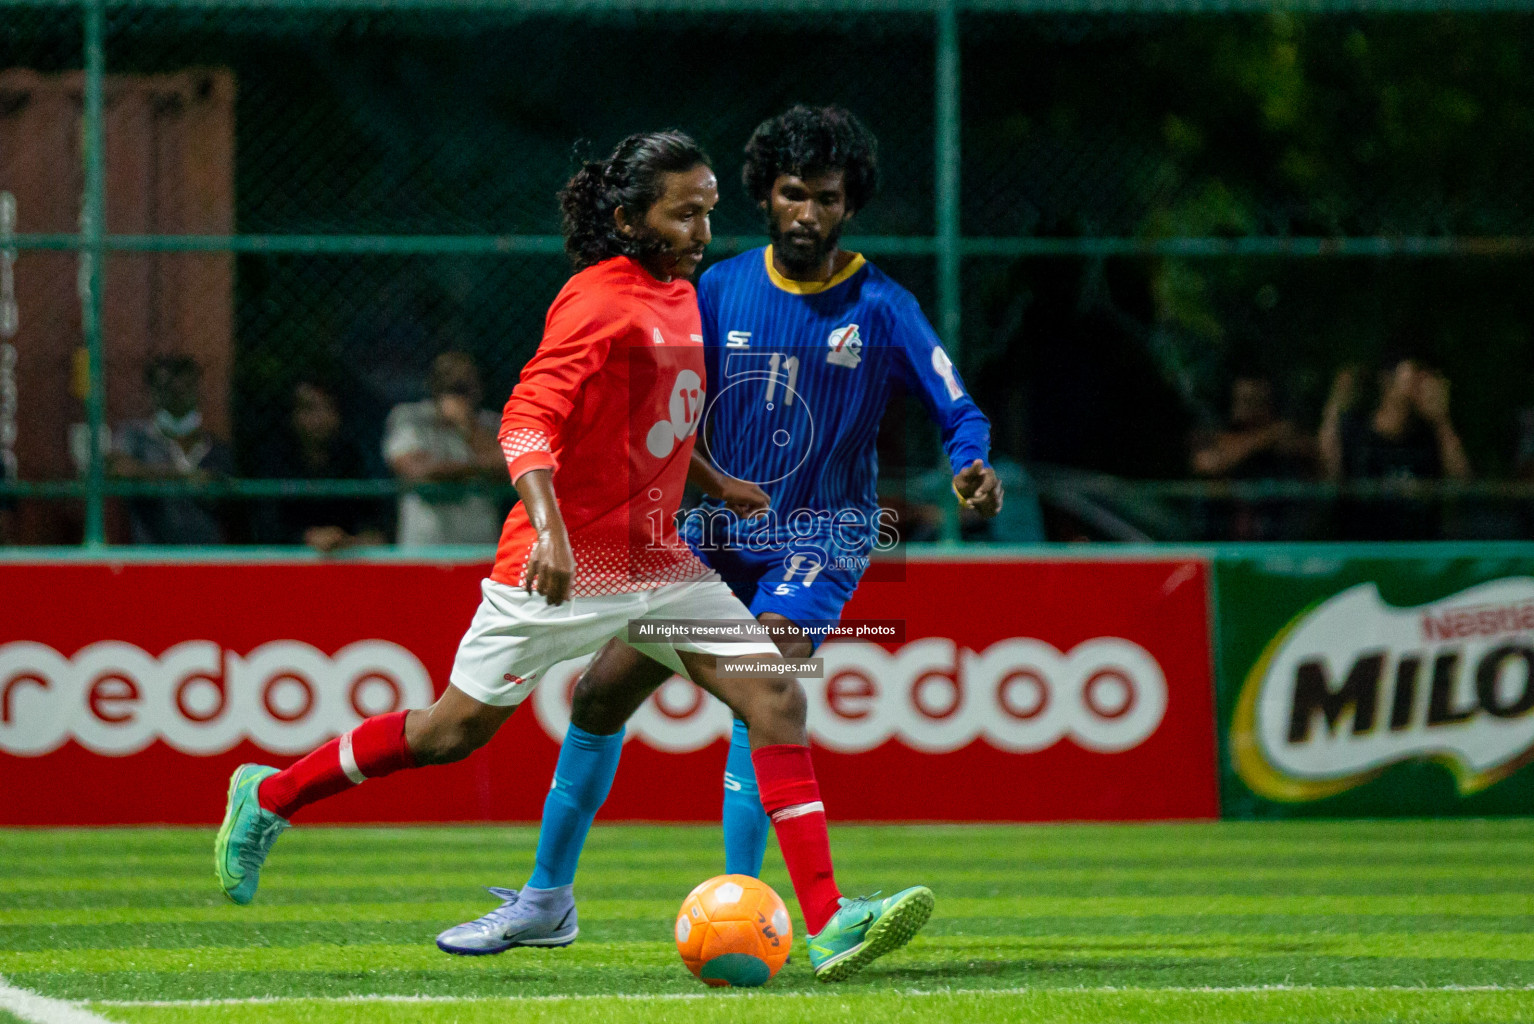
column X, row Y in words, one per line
column 1018, row 691
column 1378, row 686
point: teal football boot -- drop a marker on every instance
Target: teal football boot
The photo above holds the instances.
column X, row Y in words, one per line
column 247, row 834
column 865, row 929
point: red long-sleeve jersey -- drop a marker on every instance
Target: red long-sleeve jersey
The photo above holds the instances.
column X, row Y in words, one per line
column 610, row 403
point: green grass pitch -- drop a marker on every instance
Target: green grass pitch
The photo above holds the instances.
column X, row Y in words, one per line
column 1251, row 922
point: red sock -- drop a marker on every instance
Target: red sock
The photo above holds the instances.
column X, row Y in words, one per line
column 373, row 749
column 791, row 796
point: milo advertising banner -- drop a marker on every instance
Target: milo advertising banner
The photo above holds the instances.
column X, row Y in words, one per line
column 1401, row 684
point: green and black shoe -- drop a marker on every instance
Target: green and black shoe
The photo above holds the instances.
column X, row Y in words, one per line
column 247, row 834
column 866, row 928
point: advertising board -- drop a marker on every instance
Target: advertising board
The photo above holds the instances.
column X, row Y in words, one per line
column 1019, row 690
column 1391, row 685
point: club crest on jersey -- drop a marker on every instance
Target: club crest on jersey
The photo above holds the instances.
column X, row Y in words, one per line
column 846, row 347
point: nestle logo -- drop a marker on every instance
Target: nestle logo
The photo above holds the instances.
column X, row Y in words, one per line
column 1478, row 620
column 1355, row 685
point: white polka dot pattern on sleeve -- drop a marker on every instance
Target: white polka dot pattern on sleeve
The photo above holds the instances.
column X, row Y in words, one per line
column 520, row 442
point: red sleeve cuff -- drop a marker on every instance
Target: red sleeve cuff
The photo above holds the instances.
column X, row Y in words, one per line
column 524, row 464
column 526, row 449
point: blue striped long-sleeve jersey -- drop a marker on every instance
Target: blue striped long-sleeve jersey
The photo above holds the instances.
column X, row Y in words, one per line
column 799, row 374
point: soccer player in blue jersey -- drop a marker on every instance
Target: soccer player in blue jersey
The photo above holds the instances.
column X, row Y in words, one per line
column 804, row 342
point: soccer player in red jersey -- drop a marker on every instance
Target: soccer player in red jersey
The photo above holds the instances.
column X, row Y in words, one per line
column 598, row 435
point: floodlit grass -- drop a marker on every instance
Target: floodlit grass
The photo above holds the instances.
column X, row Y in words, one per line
column 1338, row 921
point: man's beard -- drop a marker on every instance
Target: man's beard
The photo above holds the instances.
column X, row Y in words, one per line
column 645, row 245
column 803, row 260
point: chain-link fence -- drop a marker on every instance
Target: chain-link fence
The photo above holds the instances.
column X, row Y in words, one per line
column 1108, row 211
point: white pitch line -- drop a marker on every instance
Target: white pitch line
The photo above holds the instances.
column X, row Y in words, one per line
column 741, row 994
column 30, row 1006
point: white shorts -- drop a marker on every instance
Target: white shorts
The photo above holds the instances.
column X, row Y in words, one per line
column 516, row 637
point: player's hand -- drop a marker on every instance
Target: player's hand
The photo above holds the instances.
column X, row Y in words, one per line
column 1344, row 390
column 550, row 566
column 979, row 488
column 1431, row 397
column 457, row 412
column 744, row 498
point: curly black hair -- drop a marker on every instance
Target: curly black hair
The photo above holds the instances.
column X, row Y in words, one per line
column 805, row 141
column 630, row 178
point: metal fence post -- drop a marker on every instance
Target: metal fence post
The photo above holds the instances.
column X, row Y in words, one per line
column 946, row 138
column 93, row 231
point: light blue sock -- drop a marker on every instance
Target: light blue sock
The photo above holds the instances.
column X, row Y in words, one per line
column 583, row 775
column 745, row 822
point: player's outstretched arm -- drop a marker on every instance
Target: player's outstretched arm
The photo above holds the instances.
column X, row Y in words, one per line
column 935, row 380
column 550, row 563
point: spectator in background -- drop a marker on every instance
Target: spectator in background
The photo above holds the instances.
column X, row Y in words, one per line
column 172, row 445
column 313, row 446
column 1255, row 443
column 1406, row 438
column 447, row 439
column 1409, row 435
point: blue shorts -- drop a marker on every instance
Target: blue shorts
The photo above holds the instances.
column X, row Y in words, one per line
column 764, row 583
